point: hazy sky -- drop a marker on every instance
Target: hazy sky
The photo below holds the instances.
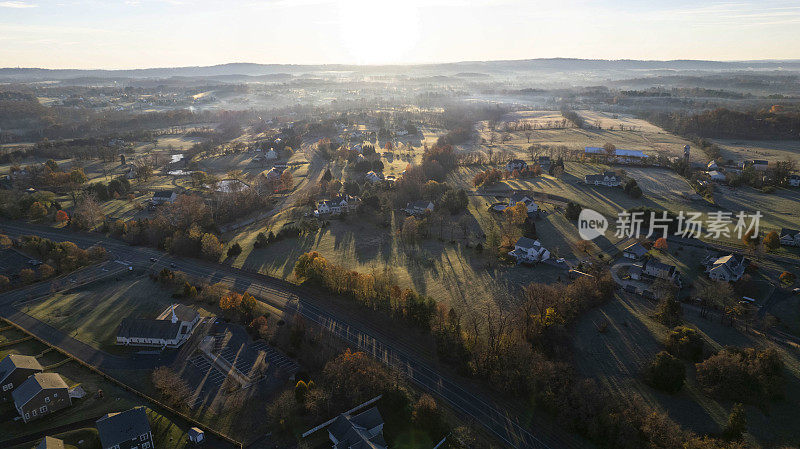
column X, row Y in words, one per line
column 160, row 33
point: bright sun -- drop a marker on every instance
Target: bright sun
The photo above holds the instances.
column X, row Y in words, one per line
column 379, row 31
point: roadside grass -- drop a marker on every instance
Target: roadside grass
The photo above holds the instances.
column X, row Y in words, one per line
column 28, row 347
column 617, row 356
column 92, row 313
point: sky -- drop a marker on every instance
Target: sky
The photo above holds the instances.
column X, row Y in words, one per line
column 116, row 34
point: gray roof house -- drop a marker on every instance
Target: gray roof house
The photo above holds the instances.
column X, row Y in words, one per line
column 728, row 268
column 634, row 251
column 362, row 431
column 14, row 369
column 41, row 394
column 790, row 237
column 419, row 207
column 163, row 196
column 608, row 178
column 126, row 430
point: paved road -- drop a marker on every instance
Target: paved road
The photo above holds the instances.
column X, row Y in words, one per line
column 502, row 421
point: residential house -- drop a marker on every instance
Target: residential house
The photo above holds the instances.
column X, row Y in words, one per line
column 270, row 154
column 794, row 180
column 759, row 164
column 728, row 268
column 526, row 199
column 274, row 174
column 163, row 196
column 14, row 369
column 634, row 251
column 712, row 166
column 716, row 176
column 516, row 164
column 125, row 430
column 337, row 206
column 609, row 179
column 529, row 250
column 790, row 237
column 652, row 269
column 373, row 177
column 40, row 395
column 170, row 330
column 364, row 430
column 50, row 443
column 419, row 207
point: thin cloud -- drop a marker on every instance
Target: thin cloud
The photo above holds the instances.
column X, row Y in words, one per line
column 17, row 5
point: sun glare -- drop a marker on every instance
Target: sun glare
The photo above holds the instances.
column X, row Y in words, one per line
column 379, row 31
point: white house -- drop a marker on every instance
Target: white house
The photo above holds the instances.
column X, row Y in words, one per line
column 516, row 164
column 529, row 251
column 522, row 197
column 163, row 196
column 794, row 180
column 728, row 268
column 373, row 177
column 337, row 206
column 270, row 154
column 419, row 207
column 652, row 269
column 170, row 330
column 712, row 166
column 790, row 237
column 716, row 176
column 609, row 179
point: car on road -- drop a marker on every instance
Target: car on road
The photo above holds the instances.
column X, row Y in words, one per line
column 172, row 264
column 130, row 268
column 796, row 291
column 152, row 259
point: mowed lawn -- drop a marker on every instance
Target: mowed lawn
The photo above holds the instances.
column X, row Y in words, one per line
column 617, row 356
column 93, row 313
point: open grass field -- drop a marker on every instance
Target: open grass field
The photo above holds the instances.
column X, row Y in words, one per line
column 93, row 313
column 616, row 357
column 770, row 150
column 637, row 135
column 445, row 269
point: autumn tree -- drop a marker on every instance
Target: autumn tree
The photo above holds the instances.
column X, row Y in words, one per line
column 661, row 244
column 210, row 246
column 772, row 241
column 665, row 373
column 37, row 211
column 26, row 275
column 62, row 216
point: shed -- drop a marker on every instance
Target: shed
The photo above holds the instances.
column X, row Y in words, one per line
column 196, row 435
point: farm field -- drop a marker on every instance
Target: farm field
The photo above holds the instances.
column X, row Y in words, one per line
column 770, row 150
column 645, row 136
column 616, row 357
column 92, row 313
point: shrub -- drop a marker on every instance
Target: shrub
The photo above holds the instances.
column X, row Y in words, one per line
column 573, row 211
column 772, row 240
column 787, row 278
column 737, row 423
column 665, row 373
column 668, row 312
column 234, row 250
column 743, row 375
column 685, row 343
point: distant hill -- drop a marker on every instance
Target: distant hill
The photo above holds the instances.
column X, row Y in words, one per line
column 460, row 69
